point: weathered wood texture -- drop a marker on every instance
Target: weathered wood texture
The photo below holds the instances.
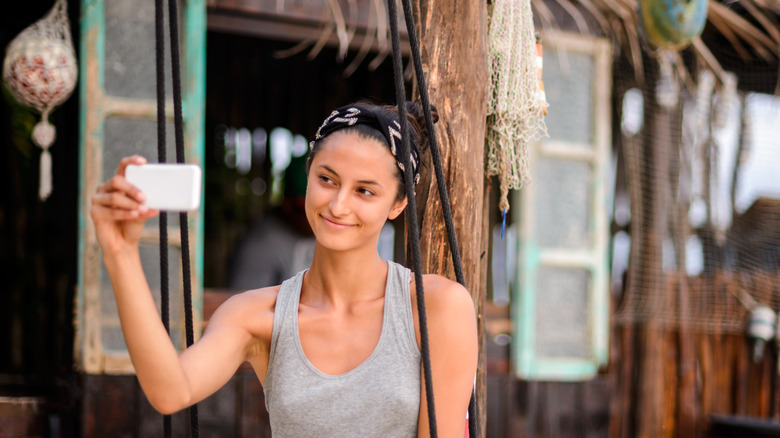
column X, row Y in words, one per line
column 115, row 406
column 518, row 408
column 725, row 381
column 453, row 47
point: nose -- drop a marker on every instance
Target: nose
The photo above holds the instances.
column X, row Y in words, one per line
column 339, row 203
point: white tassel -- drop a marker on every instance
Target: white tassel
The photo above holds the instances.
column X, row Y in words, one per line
column 43, row 135
column 44, row 189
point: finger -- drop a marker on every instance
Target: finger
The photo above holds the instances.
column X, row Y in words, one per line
column 150, row 214
column 133, row 159
column 103, row 212
column 119, row 183
column 118, row 200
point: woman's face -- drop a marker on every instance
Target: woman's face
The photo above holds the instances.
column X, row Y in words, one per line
column 351, row 191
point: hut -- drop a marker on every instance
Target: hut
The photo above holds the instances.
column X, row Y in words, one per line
column 594, row 323
column 678, row 361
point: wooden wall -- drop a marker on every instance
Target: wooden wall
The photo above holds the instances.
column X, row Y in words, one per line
column 518, row 408
column 713, row 389
column 115, row 406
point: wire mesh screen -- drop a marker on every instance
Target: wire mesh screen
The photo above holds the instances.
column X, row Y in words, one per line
column 698, row 210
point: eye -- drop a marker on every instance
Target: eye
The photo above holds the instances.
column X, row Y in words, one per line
column 365, row 192
column 326, row 179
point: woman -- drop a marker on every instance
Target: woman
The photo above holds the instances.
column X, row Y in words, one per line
column 337, row 346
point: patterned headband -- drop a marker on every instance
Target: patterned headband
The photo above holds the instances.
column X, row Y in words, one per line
column 385, row 123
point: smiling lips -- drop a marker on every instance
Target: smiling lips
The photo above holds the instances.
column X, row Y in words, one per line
column 335, row 225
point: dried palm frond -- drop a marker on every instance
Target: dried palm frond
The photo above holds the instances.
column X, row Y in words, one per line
column 618, row 20
column 345, row 25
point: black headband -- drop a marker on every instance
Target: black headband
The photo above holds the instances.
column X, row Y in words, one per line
column 383, row 121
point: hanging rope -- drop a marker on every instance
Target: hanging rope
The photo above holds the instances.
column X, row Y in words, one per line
column 408, row 183
column 178, row 124
column 162, row 158
column 414, row 234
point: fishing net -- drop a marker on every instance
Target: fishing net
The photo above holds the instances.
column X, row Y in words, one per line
column 699, row 218
column 515, row 102
column 40, row 72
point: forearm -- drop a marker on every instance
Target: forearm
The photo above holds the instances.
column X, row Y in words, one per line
column 154, row 356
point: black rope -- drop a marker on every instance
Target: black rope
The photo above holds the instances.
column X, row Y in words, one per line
column 178, row 124
column 400, row 95
column 159, row 32
column 438, row 168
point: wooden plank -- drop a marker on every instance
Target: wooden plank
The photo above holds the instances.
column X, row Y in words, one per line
column 254, row 417
column 22, row 417
column 497, row 417
column 595, row 407
column 150, row 422
column 217, row 413
column 108, row 407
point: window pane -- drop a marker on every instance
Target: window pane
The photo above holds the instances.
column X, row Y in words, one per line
column 124, row 137
column 562, row 313
column 112, row 338
column 150, row 260
column 562, row 195
column 568, row 79
column 130, row 49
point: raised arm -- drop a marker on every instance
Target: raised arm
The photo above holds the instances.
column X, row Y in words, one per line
column 452, row 334
column 170, row 382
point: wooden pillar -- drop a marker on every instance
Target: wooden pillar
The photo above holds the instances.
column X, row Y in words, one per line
column 651, row 198
column 453, row 42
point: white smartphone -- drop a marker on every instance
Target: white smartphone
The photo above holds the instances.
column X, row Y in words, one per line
column 168, row 187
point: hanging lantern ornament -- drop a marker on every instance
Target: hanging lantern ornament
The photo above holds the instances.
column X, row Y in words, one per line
column 672, row 24
column 40, row 72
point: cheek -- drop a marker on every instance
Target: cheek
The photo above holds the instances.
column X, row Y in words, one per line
column 310, row 200
column 377, row 214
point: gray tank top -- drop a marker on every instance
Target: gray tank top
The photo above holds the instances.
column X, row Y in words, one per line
column 379, row 398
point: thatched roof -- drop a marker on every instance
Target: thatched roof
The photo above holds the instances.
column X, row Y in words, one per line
column 738, row 35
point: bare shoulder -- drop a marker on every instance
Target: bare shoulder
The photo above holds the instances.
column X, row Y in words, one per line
column 253, row 310
column 445, row 298
column 451, row 322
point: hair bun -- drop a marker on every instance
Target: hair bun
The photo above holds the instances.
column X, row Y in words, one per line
column 415, row 109
column 416, row 117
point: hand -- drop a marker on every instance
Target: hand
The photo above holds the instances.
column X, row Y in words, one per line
column 117, row 210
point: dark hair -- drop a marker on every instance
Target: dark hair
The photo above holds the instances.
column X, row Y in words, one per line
column 418, row 134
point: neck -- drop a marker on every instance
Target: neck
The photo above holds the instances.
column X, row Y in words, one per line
column 341, row 277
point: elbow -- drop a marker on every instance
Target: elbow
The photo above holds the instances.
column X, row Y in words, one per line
column 165, row 409
column 168, row 404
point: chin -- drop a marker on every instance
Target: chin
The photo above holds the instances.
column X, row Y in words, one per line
column 338, row 243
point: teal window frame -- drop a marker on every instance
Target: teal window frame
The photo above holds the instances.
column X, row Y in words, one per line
column 96, row 106
column 529, row 362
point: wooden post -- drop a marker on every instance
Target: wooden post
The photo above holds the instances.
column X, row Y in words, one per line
column 454, row 54
column 650, row 214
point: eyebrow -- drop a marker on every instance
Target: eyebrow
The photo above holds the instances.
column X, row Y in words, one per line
column 364, row 182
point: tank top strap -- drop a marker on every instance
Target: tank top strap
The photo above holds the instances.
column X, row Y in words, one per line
column 399, row 301
column 285, row 310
